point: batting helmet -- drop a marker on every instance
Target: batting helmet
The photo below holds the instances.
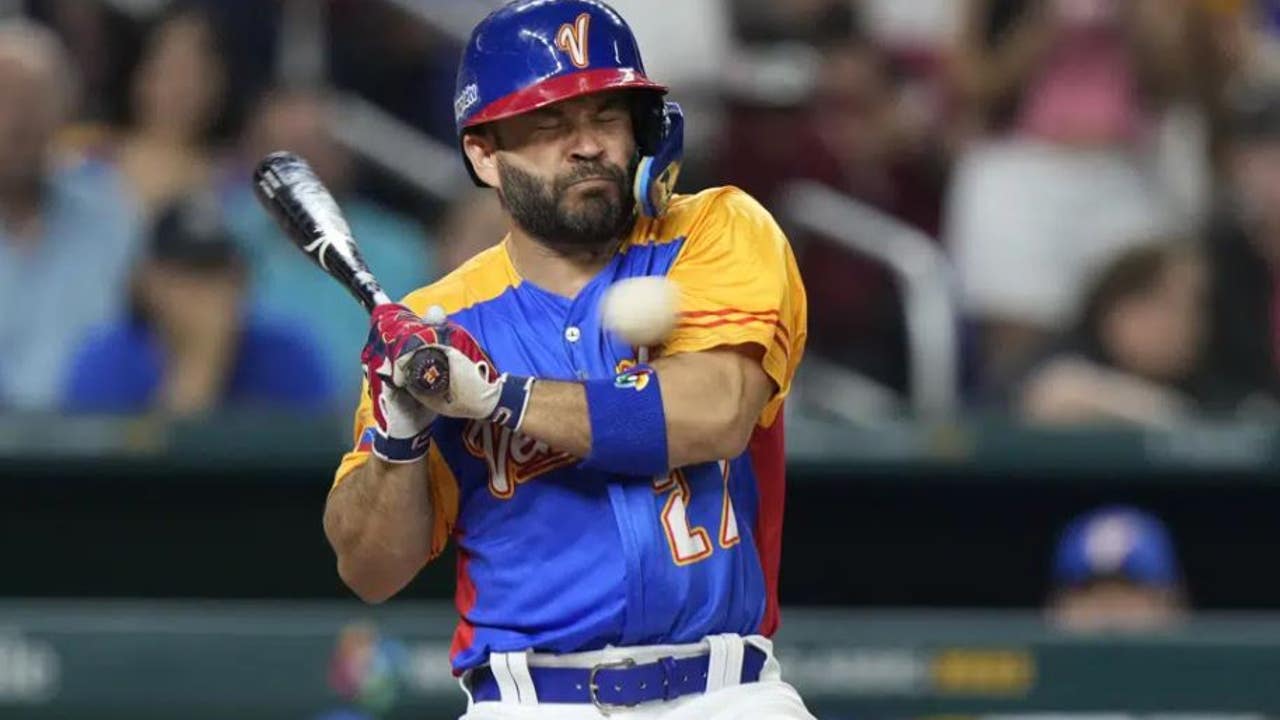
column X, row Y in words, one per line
column 532, row 53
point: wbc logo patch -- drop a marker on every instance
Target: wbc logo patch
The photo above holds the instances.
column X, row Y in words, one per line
column 572, row 39
column 637, row 379
column 365, row 443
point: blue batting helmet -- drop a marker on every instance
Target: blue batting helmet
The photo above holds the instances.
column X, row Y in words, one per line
column 533, row 53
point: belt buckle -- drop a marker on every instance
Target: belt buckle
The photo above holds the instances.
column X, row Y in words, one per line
column 593, row 689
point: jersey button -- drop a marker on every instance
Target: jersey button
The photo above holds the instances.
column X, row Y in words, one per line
column 572, row 333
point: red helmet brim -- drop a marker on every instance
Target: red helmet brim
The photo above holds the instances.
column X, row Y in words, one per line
column 563, row 87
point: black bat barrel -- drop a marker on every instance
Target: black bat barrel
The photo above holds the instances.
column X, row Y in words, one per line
column 301, row 204
column 305, row 209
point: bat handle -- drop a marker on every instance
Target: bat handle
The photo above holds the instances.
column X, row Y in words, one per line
column 429, row 369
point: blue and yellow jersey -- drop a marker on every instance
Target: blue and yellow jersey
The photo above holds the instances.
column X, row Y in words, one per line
column 557, row 558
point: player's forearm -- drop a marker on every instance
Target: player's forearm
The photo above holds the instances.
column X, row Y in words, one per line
column 379, row 522
column 710, row 405
column 557, row 415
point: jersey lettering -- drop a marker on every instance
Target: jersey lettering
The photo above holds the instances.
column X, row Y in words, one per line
column 512, row 458
column 688, row 544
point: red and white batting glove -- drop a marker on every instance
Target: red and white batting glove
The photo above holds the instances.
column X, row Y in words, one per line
column 404, row 425
column 475, row 391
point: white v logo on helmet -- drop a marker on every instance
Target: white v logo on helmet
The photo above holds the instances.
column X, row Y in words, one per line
column 572, row 38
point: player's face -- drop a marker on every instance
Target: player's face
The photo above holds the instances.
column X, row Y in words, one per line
column 565, row 171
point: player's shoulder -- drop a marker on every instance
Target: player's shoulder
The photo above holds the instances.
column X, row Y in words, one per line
column 484, row 277
column 717, row 220
column 717, row 206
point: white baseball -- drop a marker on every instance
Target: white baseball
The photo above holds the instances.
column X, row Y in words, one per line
column 435, row 315
column 641, row 310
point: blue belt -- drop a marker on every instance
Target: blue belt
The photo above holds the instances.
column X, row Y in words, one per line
column 618, row 684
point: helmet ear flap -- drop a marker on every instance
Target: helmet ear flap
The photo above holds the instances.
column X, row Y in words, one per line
column 648, row 117
column 660, row 141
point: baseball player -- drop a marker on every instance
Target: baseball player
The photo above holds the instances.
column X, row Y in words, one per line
column 617, row 518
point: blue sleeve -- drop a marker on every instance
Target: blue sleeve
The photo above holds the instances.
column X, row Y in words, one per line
column 113, row 371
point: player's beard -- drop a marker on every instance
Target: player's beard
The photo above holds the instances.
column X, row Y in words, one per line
column 542, row 208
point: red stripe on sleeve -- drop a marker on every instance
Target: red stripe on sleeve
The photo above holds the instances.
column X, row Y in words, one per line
column 781, row 332
column 728, row 311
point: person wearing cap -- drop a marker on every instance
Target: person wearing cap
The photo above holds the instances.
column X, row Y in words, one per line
column 188, row 346
column 1115, row 569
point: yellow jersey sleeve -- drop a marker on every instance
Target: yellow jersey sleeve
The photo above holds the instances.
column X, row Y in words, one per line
column 362, row 438
column 739, row 285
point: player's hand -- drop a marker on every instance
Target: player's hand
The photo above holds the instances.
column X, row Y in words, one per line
column 476, row 390
column 404, row 424
column 475, row 386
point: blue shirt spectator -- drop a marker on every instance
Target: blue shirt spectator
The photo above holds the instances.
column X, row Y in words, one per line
column 120, row 369
column 57, row 285
column 186, row 345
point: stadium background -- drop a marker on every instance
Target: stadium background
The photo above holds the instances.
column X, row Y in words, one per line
column 971, row 385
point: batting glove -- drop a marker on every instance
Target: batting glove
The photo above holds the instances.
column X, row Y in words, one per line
column 476, row 391
column 404, row 424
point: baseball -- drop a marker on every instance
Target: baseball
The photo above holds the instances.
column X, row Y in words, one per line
column 435, row 315
column 641, row 310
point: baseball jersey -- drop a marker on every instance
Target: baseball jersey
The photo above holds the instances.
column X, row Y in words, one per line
column 557, row 558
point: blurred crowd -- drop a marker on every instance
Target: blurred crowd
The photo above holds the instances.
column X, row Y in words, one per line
column 1104, row 176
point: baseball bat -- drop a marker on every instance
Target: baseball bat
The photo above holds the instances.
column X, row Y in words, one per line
column 305, row 210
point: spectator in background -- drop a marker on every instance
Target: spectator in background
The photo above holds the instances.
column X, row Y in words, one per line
column 67, row 230
column 101, row 40
column 767, row 21
column 853, row 135
column 1115, row 570
column 871, row 152
column 1072, row 98
column 1135, row 353
column 883, row 153
column 187, row 346
column 177, row 100
column 1244, row 251
column 384, row 52
column 284, row 286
